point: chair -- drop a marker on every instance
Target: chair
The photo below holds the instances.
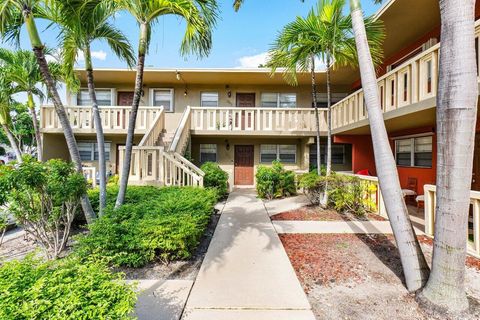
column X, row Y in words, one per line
column 410, row 192
column 364, row 172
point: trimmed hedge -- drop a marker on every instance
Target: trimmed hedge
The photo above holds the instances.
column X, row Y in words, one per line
column 63, row 289
column 275, row 181
column 215, row 178
column 165, row 223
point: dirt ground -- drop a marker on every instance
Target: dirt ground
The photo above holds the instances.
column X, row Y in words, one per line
column 314, row 213
column 350, row 276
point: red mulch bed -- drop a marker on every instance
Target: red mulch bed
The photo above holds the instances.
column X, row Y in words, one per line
column 315, row 213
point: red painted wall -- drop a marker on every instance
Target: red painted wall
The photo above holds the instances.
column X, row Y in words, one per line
column 362, row 151
column 363, row 158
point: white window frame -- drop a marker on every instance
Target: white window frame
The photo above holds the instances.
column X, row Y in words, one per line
column 172, row 102
column 200, row 152
column 92, row 149
column 278, row 94
column 113, row 93
column 278, row 152
column 209, row 92
column 412, row 150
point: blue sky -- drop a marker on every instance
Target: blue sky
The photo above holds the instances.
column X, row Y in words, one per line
column 239, row 40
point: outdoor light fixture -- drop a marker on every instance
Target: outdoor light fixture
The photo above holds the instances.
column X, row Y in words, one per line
column 229, row 92
column 227, row 145
column 178, row 76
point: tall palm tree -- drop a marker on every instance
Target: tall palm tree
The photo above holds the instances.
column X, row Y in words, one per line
column 456, row 117
column 6, row 92
column 413, row 261
column 200, row 17
column 81, row 23
column 13, row 15
column 22, row 69
column 325, row 34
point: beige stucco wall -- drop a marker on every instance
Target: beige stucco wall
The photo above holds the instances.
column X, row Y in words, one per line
column 225, row 158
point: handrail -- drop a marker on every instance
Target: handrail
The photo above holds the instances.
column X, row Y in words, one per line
column 155, row 130
column 256, row 108
column 185, row 161
column 184, row 125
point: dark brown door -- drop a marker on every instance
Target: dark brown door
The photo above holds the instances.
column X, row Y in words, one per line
column 476, row 165
column 246, row 100
column 125, row 98
column 244, row 165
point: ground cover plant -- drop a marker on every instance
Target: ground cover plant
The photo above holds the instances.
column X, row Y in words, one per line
column 154, row 223
column 63, row 289
column 274, row 181
column 215, row 178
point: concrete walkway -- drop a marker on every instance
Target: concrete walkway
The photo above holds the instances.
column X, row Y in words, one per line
column 246, row 273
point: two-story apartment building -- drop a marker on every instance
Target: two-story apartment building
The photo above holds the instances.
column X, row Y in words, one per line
column 244, row 118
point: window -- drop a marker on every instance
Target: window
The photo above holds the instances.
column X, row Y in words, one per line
column 286, row 153
column 209, row 99
column 279, row 100
column 208, row 153
column 164, row 98
column 89, row 151
column 322, row 99
column 338, row 154
column 104, row 97
column 414, row 152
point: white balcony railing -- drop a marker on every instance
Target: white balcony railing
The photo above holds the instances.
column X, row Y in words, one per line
column 261, row 120
column 115, row 118
column 412, row 82
column 473, row 230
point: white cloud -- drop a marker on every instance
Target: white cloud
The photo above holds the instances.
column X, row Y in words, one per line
column 252, row 61
column 100, row 55
column 255, row 60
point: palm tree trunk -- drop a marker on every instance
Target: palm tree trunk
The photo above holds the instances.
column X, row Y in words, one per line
column 456, row 117
column 413, row 261
column 142, row 49
column 13, row 142
column 99, row 131
column 37, row 47
column 329, row 118
column 38, row 138
column 317, row 117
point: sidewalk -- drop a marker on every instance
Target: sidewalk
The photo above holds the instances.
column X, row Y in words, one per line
column 246, row 273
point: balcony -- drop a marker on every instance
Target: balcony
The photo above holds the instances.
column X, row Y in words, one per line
column 115, row 119
column 255, row 121
column 409, row 89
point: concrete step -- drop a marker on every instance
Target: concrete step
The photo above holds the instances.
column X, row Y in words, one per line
column 229, row 314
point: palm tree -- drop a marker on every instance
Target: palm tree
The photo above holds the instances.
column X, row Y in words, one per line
column 413, row 261
column 325, row 34
column 6, row 92
column 22, row 69
column 13, row 15
column 200, row 17
column 81, row 23
column 456, row 117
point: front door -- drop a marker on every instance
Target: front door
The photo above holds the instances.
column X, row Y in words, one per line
column 246, row 100
column 243, row 165
column 476, row 165
column 125, row 98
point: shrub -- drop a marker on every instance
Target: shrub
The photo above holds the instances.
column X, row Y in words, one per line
column 313, row 186
column 43, row 198
column 215, row 178
column 63, row 289
column 3, row 225
column 349, row 194
column 165, row 223
column 275, row 182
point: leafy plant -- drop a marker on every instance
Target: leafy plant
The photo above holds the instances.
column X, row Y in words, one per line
column 215, row 178
column 43, row 198
column 154, row 223
column 350, row 194
column 313, row 186
column 63, row 289
column 3, row 226
column 275, row 182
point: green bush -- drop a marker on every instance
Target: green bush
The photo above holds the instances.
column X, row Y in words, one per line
column 43, row 197
column 313, row 186
column 63, row 289
column 165, row 223
column 275, row 182
column 215, row 178
column 349, row 194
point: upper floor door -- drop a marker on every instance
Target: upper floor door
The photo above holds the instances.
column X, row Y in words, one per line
column 125, row 98
column 246, row 100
